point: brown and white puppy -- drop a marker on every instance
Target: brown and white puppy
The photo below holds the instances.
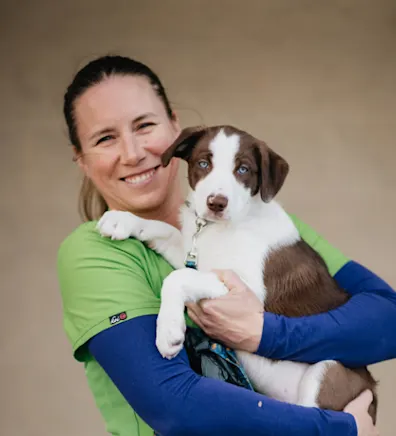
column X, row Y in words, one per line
column 234, row 178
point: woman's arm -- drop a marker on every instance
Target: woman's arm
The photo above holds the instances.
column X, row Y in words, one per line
column 359, row 333
column 174, row 400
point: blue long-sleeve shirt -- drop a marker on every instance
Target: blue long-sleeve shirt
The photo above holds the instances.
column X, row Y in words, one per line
column 174, row 400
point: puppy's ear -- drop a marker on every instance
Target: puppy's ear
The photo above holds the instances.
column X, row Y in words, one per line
column 273, row 172
column 183, row 145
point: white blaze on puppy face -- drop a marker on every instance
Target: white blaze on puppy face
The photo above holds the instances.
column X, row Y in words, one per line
column 221, row 180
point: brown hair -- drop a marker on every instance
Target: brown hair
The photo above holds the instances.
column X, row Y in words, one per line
column 91, row 203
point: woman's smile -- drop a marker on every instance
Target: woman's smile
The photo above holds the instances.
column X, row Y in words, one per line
column 143, row 178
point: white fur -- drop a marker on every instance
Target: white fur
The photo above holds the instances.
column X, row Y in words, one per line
column 241, row 241
column 276, row 379
column 242, row 246
column 161, row 237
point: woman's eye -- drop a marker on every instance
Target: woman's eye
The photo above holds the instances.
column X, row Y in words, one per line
column 144, row 126
column 203, row 164
column 243, row 169
column 105, row 138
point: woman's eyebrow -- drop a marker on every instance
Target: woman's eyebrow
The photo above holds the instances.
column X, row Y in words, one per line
column 143, row 116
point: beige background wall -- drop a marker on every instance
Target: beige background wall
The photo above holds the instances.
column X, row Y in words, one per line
column 315, row 79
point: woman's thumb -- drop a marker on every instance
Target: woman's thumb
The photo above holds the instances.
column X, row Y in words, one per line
column 363, row 400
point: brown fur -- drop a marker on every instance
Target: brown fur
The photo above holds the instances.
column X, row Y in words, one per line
column 341, row 385
column 298, row 282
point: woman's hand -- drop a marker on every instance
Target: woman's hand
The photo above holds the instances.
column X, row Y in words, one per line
column 358, row 408
column 235, row 319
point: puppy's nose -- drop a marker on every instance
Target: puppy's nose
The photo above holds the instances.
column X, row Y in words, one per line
column 217, row 203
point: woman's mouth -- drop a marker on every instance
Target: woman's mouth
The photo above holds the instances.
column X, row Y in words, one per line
column 142, row 178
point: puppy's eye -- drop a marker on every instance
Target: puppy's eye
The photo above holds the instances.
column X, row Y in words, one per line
column 203, row 164
column 243, row 169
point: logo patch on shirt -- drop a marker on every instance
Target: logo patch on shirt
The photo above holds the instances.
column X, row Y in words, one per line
column 117, row 318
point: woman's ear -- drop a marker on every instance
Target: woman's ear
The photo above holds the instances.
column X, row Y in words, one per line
column 78, row 158
column 175, row 121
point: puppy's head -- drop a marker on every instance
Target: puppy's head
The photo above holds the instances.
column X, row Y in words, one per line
column 227, row 169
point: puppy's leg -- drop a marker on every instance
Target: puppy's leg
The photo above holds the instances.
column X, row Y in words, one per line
column 179, row 287
column 329, row 385
column 275, row 378
column 166, row 240
column 312, row 381
column 159, row 236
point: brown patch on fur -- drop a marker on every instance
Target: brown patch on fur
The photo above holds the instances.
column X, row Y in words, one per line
column 298, row 284
column 192, row 145
column 183, row 144
column 199, row 153
column 247, row 156
column 267, row 169
column 341, row 385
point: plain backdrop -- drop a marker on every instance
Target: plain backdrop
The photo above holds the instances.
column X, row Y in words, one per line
column 315, row 79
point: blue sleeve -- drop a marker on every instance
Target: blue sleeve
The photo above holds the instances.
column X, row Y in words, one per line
column 174, row 400
column 359, row 333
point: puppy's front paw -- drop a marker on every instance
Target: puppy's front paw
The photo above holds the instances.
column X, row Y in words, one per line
column 120, row 225
column 171, row 329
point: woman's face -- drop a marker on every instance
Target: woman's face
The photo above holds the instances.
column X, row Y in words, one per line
column 123, row 128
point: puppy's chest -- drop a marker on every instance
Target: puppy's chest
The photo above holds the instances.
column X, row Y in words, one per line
column 238, row 249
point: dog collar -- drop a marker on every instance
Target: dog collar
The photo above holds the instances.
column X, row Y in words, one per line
column 191, row 260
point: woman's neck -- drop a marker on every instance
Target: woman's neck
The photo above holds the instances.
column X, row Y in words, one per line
column 172, row 216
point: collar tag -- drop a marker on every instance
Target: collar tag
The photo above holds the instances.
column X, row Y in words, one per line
column 191, row 260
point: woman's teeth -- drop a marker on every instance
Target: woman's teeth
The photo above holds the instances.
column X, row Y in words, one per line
column 135, row 180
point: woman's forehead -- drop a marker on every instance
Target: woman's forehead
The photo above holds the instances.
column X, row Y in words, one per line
column 118, row 96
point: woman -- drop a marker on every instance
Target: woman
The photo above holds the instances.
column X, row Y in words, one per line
column 120, row 121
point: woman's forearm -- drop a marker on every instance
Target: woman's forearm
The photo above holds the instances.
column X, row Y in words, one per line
column 174, row 400
column 359, row 333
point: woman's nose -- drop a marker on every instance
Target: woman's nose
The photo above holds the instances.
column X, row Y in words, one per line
column 131, row 152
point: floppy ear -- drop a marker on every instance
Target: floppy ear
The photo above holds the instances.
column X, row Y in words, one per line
column 183, row 145
column 273, row 172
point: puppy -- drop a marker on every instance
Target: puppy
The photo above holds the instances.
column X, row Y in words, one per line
column 231, row 221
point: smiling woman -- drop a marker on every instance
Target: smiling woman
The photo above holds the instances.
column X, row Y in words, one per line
column 121, row 144
column 120, row 123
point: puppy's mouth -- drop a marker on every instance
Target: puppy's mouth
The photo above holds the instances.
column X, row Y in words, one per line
column 141, row 178
column 216, row 216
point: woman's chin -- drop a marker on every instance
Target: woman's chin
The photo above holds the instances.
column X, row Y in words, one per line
column 148, row 201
